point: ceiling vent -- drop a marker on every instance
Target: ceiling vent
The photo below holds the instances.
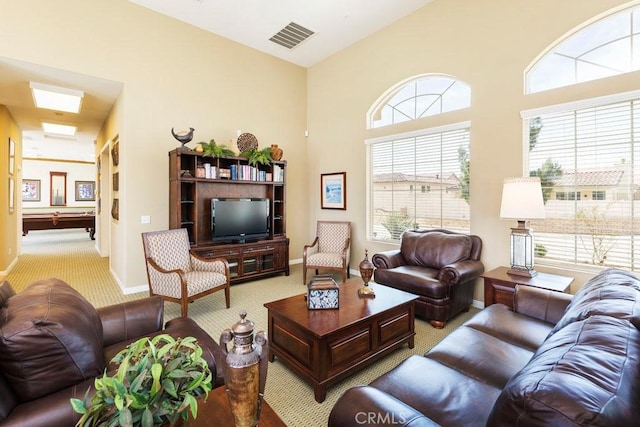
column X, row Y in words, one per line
column 291, row 35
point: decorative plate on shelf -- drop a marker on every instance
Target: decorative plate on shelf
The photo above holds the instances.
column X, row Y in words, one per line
column 247, row 141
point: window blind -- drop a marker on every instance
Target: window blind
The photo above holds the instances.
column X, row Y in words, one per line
column 587, row 160
column 419, row 181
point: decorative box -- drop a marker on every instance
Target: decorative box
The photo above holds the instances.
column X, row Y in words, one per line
column 323, row 293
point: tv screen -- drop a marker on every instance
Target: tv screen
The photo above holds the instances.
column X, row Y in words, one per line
column 239, row 219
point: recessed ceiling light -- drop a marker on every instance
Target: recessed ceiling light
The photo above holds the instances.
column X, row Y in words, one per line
column 56, row 98
column 57, row 129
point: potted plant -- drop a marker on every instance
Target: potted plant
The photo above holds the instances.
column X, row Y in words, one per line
column 214, row 150
column 157, row 382
column 257, row 156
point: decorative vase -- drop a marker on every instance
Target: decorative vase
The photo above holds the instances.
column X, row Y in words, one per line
column 366, row 271
column 245, row 370
column 276, row 152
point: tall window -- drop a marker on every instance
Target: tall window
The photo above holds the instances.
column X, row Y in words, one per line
column 587, row 156
column 605, row 48
column 433, row 159
column 420, row 97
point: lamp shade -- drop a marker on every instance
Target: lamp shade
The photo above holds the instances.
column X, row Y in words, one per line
column 522, row 199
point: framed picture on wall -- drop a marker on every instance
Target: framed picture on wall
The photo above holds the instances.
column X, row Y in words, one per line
column 11, row 194
column 12, row 156
column 333, row 190
column 30, row 190
column 85, row 191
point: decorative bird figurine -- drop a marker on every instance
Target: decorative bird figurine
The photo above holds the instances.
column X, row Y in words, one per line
column 183, row 136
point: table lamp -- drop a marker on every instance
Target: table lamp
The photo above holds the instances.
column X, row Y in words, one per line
column 522, row 201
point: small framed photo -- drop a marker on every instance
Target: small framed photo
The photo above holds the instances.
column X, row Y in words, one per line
column 12, row 189
column 85, row 191
column 115, row 154
column 30, row 190
column 12, row 156
column 333, row 190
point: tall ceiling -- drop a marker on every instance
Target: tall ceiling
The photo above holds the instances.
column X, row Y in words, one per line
column 336, row 24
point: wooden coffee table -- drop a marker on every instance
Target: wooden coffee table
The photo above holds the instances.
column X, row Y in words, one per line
column 215, row 411
column 325, row 346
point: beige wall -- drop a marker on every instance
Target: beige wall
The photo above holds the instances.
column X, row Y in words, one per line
column 174, row 75
column 9, row 228
column 177, row 75
column 488, row 44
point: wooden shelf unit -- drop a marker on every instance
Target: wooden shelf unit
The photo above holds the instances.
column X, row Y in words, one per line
column 190, row 208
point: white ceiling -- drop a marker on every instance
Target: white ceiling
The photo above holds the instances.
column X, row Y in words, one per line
column 337, row 24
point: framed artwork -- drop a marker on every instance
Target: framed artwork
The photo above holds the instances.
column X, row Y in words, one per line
column 30, row 190
column 115, row 209
column 12, row 156
column 58, row 188
column 85, row 191
column 333, row 190
column 12, row 189
column 115, row 154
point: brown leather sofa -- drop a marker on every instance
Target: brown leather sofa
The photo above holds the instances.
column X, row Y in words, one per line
column 53, row 343
column 440, row 266
column 552, row 361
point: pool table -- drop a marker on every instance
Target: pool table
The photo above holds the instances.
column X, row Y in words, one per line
column 59, row 220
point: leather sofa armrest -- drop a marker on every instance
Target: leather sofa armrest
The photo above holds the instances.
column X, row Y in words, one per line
column 132, row 319
column 388, row 259
column 365, row 405
column 460, row 272
column 541, row 304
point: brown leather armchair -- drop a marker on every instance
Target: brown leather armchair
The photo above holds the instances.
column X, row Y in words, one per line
column 440, row 266
column 53, row 343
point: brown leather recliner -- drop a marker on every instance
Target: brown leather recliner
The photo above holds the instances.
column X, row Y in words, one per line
column 440, row 266
column 53, row 343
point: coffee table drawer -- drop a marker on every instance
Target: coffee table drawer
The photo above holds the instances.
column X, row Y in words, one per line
column 397, row 326
column 296, row 343
column 352, row 345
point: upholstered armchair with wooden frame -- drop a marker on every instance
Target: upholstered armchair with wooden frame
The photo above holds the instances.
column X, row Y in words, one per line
column 179, row 275
column 330, row 250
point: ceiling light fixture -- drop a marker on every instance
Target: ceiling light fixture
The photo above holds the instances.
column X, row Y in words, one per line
column 56, row 98
column 57, row 129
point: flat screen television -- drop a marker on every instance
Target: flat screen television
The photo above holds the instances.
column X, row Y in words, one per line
column 239, row 220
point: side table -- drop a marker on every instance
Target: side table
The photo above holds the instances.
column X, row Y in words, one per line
column 499, row 287
column 215, row 411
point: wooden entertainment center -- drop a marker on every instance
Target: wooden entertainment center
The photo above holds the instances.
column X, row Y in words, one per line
column 190, row 197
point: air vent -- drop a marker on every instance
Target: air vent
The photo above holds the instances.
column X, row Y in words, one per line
column 291, row 35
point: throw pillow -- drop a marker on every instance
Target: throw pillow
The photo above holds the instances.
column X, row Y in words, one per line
column 50, row 339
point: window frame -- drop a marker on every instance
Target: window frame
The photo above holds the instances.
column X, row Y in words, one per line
column 580, row 106
column 464, row 125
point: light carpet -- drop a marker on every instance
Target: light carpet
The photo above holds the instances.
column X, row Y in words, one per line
column 71, row 256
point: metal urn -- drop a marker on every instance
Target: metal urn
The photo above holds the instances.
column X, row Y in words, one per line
column 245, row 370
column 366, row 271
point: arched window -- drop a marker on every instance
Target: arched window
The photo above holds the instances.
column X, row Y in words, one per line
column 607, row 47
column 587, row 152
column 422, row 96
column 436, row 160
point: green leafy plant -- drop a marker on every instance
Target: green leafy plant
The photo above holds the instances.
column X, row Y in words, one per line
column 257, row 156
column 157, row 382
column 214, row 150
